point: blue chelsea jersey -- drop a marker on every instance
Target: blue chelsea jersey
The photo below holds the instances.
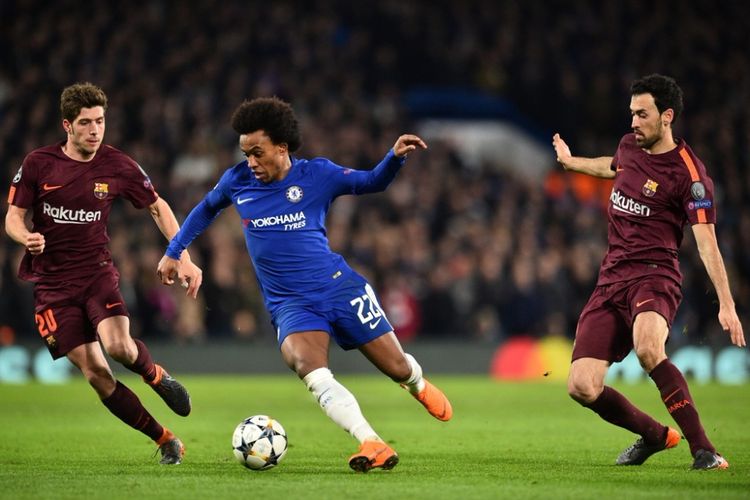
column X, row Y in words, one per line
column 284, row 223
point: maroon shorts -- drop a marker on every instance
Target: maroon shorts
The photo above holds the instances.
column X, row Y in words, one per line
column 68, row 312
column 606, row 323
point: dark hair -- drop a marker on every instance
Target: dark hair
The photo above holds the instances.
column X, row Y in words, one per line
column 271, row 115
column 667, row 94
column 80, row 95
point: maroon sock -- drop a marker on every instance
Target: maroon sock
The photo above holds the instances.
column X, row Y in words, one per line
column 616, row 409
column 676, row 396
column 127, row 407
column 143, row 364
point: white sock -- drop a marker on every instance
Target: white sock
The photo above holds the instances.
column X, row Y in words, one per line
column 415, row 382
column 339, row 404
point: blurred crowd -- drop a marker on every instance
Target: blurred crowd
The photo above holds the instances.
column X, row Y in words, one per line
column 454, row 252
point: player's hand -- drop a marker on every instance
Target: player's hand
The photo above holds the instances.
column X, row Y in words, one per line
column 167, row 270
column 561, row 150
column 35, row 243
column 731, row 323
column 191, row 277
column 406, row 144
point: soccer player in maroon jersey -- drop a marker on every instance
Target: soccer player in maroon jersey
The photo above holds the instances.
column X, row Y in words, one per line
column 70, row 187
column 659, row 185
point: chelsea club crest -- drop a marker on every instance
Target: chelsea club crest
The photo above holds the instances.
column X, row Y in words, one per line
column 294, row 194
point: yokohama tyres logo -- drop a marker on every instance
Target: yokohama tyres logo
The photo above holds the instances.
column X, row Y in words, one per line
column 63, row 215
column 628, row 205
column 276, row 220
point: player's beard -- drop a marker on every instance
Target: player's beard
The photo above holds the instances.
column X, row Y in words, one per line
column 647, row 142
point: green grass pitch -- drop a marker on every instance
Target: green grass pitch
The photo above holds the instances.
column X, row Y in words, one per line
column 525, row 440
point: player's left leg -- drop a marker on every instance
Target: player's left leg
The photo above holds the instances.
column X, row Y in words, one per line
column 114, row 333
column 603, row 337
column 650, row 332
column 306, row 353
column 122, row 402
column 386, row 353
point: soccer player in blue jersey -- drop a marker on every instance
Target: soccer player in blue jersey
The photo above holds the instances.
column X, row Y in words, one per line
column 310, row 292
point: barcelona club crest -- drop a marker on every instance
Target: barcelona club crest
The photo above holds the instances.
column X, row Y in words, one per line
column 649, row 189
column 101, row 190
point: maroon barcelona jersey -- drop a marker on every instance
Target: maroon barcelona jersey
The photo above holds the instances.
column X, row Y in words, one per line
column 653, row 197
column 71, row 201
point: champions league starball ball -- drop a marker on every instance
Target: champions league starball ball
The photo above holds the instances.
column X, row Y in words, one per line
column 259, row 442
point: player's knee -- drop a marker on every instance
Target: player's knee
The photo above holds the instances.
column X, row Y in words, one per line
column 99, row 377
column 649, row 356
column 122, row 351
column 583, row 391
column 303, row 365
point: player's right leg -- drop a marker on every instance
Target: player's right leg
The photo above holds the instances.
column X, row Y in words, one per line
column 603, row 337
column 307, row 354
column 122, row 402
column 586, row 385
column 386, row 354
column 106, row 309
column 133, row 354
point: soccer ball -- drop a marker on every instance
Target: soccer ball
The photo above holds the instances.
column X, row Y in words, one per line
column 259, row 442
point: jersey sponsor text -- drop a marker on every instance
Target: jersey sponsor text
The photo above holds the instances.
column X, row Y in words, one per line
column 628, row 205
column 289, row 221
column 63, row 215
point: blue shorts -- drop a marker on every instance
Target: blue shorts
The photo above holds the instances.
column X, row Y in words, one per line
column 350, row 314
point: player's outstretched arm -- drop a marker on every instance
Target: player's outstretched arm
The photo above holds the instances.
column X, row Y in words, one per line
column 407, row 143
column 199, row 218
column 705, row 238
column 597, row 167
column 15, row 226
column 380, row 177
column 190, row 275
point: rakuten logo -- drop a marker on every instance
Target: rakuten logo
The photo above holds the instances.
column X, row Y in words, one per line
column 628, row 205
column 63, row 215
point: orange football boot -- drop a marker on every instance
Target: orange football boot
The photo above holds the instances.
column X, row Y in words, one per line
column 434, row 401
column 373, row 454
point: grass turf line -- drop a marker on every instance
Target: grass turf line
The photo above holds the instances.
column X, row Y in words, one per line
column 526, row 440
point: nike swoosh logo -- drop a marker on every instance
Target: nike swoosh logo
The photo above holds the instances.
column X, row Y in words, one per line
column 619, row 169
column 240, row 201
column 110, row 306
column 639, row 304
column 47, row 187
column 373, row 325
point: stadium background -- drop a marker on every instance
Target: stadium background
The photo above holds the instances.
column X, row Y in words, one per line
column 472, row 247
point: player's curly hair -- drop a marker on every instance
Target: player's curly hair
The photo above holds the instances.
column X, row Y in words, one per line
column 78, row 96
column 271, row 115
column 667, row 94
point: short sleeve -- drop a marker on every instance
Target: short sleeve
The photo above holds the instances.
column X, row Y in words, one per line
column 616, row 156
column 23, row 186
column 135, row 185
column 697, row 191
